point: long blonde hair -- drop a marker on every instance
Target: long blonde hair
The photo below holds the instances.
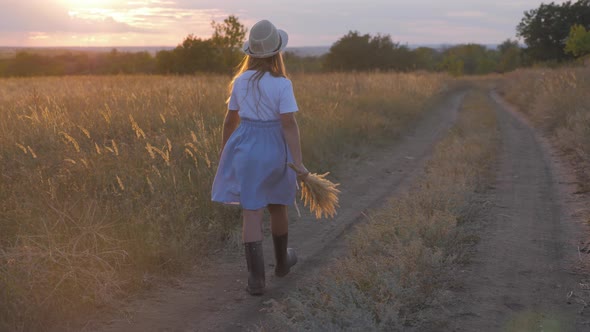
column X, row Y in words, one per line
column 274, row 65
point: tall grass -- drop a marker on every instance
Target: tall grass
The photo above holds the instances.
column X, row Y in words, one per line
column 558, row 102
column 397, row 260
column 106, row 180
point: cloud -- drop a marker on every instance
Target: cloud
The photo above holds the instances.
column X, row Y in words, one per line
column 100, row 25
column 50, row 17
column 155, row 16
column 38, row 36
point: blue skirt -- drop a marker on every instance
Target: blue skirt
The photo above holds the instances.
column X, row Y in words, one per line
column 253, row 170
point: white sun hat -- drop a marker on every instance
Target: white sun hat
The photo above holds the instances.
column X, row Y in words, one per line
column 265, row 40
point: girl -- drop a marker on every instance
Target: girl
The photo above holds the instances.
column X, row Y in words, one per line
column 253, row 168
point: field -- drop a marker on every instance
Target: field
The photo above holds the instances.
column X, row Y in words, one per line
column 105, row 185
column 106, row 180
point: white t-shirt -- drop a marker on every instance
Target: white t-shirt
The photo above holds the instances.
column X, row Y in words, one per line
column 264, row 100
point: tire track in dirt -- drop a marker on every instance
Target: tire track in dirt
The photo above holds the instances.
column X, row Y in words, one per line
column 519, row 278
column 214, row 299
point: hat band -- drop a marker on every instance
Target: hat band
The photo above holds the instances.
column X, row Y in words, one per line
column 280, row 43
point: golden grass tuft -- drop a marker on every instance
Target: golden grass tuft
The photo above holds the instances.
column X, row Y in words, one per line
column 320, row 194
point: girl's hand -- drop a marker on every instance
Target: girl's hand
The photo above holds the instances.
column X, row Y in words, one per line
column 301, row 171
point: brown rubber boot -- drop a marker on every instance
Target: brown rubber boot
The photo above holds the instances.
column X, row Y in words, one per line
column 285, row 257
column 255, row 262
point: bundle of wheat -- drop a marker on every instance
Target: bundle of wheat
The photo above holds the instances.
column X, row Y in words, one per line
column 319, row 193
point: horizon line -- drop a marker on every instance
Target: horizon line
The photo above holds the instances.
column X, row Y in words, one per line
column 172, row 46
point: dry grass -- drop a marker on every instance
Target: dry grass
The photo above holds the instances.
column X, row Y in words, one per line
column 397, row 260
column 105, row 181
column 558, row 102
column 319, row 194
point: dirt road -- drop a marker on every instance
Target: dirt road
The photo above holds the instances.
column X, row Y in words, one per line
column 214, row 299
column 520, row 276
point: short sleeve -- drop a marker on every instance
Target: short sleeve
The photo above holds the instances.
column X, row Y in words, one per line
column 287, row 102
column 232, row 103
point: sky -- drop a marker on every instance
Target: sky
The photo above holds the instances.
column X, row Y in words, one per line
column 32, row 23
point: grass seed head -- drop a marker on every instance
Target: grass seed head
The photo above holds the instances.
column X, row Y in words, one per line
column 320, row 194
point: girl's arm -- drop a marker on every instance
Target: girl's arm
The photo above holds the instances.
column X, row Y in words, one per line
column 291, row 132
column 232, row 119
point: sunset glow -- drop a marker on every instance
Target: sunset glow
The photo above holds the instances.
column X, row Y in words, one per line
column 310, row 23
column 89, row 3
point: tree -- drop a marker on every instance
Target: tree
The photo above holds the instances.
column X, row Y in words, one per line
column 196, row 54
column 425, row 58
column 365, row 52
column 229, row 37
column 578, row 42
column 452, row 65
column 220, row 53
column 229, row 34
column 29, row 64
column 470, row 59
column 510, row 56
column 167, row 62
column 545, row 29
column 401, row 58
column 349, row 53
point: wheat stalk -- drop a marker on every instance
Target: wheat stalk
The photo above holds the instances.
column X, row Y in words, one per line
column 319, row 193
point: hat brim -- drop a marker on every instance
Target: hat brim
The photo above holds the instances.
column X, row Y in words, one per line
column 284, row 41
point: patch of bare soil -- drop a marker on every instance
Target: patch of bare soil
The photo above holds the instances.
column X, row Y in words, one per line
column 214, row 297
column 522, row 276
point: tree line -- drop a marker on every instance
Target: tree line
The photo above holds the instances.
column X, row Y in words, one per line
column 365, row 52
column 353, row 52
column 553, row 34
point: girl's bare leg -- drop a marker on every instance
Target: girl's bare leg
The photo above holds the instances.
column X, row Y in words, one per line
column 252, row 225
column 279, row 221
